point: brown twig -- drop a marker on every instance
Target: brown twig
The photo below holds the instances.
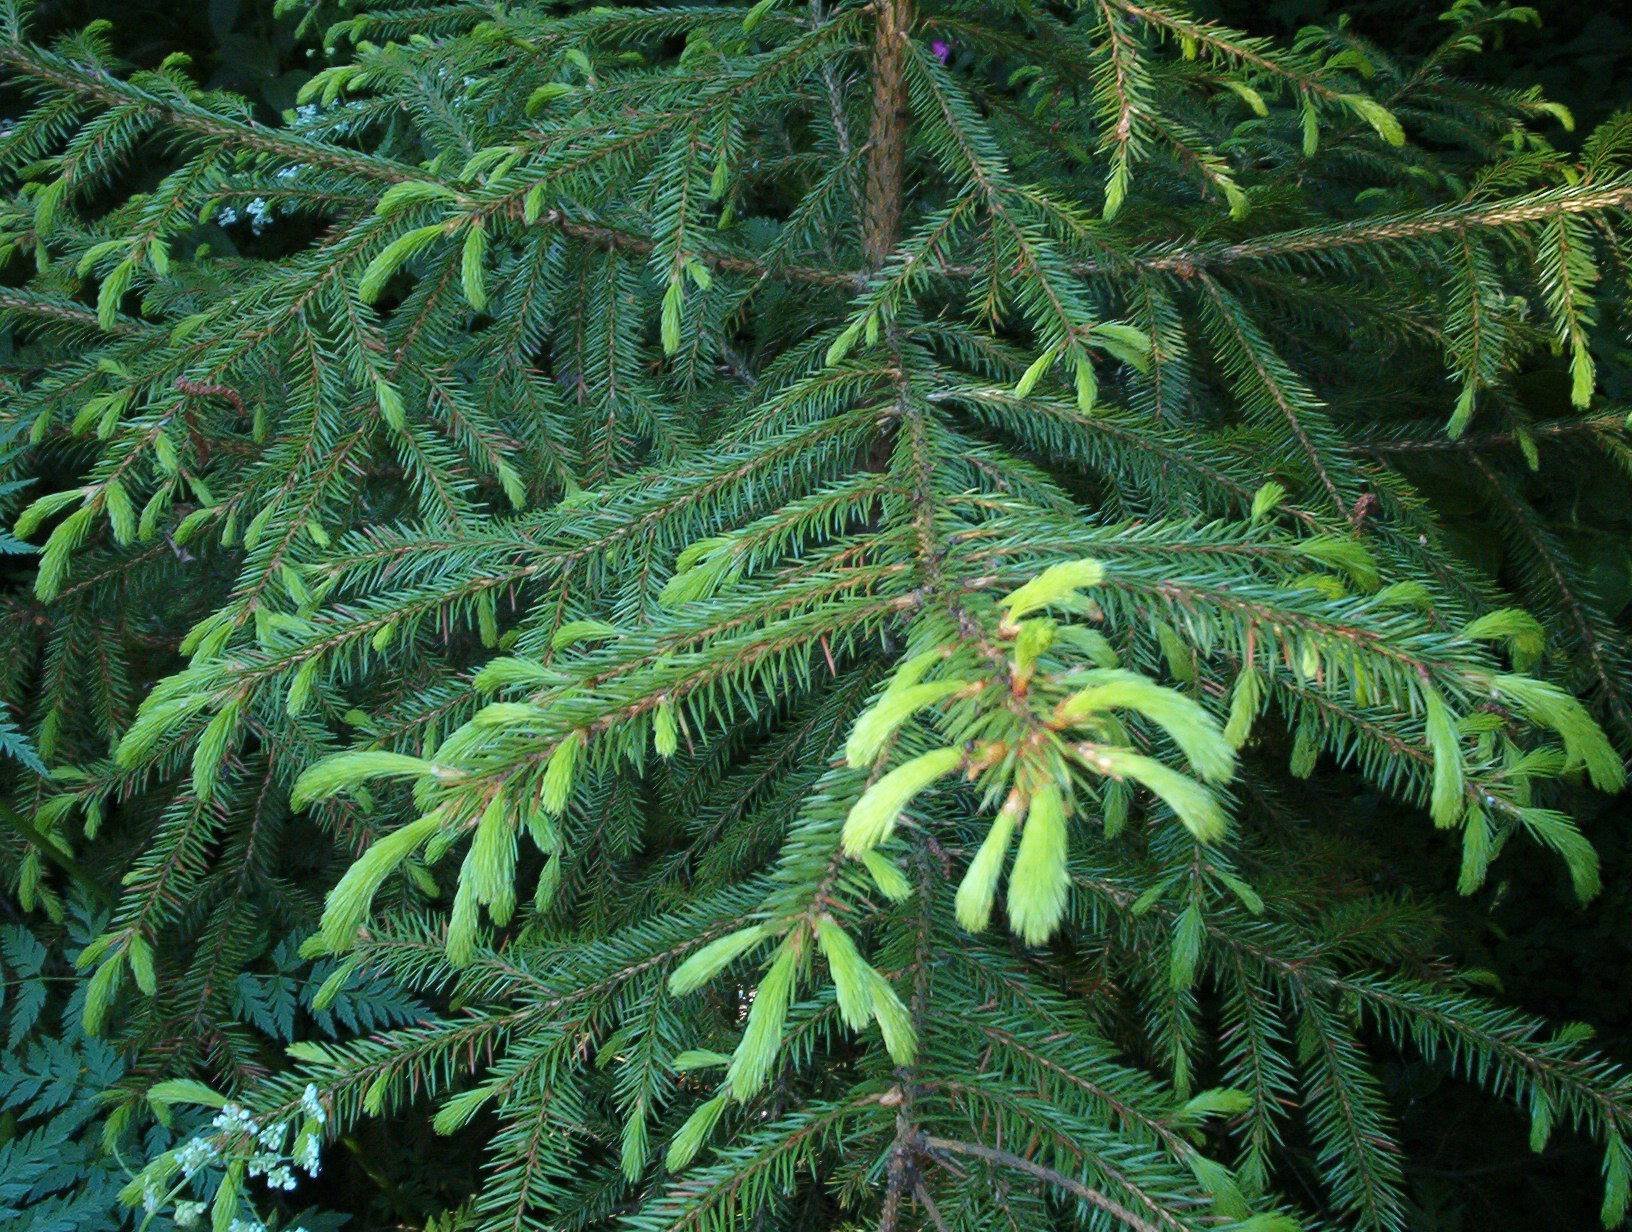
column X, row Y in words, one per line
column 1113, row 1208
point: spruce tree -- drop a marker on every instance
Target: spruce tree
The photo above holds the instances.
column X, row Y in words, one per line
column 788, row 604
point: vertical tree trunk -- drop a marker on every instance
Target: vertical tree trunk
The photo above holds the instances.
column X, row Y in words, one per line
column 886, row 141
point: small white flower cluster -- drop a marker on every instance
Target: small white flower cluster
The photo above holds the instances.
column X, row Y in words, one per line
column 316, row 116
column 264, row 1151
column 258, row 211
column 196, row 1153
column 252, row 1224
column 312, row 1106
column 306, row 1143
column 458, row 102
column 278, row 1176
column 235, row 1119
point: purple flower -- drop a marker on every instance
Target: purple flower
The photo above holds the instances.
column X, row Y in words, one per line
column 941, row 50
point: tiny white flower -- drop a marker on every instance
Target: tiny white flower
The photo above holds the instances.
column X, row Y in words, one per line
column 312, row 1105
column 307, row 1154
column 195, row 1153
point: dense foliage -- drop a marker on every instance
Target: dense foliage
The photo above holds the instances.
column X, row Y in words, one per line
column 800, row 617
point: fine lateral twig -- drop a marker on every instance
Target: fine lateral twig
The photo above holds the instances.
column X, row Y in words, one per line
column 1004, row 1159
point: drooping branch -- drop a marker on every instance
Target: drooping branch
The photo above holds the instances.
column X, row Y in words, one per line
column 1404, row 228
column 188, row 116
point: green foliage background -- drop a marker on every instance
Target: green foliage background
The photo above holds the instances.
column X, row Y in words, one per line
column 1470, row 1164
column 1568, row 961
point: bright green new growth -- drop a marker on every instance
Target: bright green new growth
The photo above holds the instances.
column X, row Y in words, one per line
column 1056, row 584
column 978, row 888
column 1038, row 881
column 347, row 905
column 346, row 770
column 762, row 1033
column 692, row 440
column 1585, row 744
column 1190, row 727
column 685, row 1144
column 1447, row 800
column 1245, row 697
column 1192, row 803
column 852, row 977
column 879, row 723
column 714, row 957
column 872, row 818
